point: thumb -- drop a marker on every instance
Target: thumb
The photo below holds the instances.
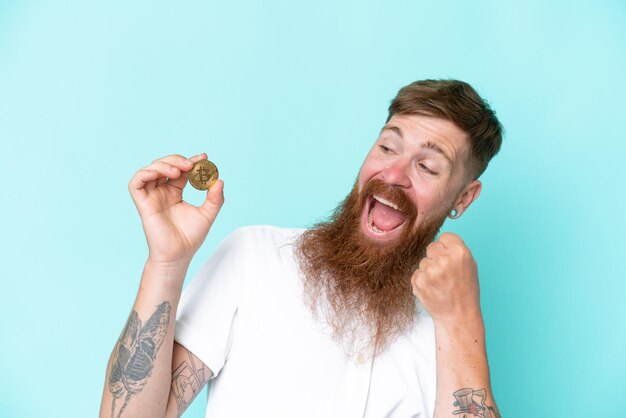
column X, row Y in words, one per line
column 214, row 200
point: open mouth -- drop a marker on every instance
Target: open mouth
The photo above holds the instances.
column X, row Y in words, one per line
column 384, row 219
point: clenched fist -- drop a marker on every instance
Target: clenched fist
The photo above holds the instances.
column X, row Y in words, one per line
column 446, row 282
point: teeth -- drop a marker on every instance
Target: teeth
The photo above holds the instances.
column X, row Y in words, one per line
column 372, row 226
column 386, row 202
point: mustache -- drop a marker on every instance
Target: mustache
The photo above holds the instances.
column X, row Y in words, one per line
column 391, row 193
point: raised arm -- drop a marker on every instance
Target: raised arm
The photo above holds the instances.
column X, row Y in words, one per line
column 446, row 283
column 139, row 380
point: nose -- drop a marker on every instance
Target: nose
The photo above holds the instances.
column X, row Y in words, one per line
column 396, row 174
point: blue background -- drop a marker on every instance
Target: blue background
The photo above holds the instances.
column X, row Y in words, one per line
column 287, row 97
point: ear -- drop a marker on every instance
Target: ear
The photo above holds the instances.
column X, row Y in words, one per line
column 467, row 196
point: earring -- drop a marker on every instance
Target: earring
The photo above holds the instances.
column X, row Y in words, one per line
column 454, row 214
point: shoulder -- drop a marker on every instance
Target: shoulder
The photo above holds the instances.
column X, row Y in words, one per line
column 263, row 236
column 258, row 242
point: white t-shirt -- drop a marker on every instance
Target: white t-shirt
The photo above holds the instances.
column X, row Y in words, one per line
column 244, row 316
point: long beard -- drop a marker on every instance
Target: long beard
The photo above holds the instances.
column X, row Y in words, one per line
column 361, row 287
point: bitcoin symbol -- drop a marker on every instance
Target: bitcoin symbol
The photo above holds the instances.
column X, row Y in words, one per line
column 203, row 175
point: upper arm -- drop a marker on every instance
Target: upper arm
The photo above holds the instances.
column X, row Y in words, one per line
column 189, row 375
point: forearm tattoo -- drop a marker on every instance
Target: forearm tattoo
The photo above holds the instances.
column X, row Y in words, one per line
column 134, row 355
column 187, row 381
column 472, row 403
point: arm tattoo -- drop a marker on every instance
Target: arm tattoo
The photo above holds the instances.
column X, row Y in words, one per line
column 135, row 353
column 187, row 381
column 471, row 403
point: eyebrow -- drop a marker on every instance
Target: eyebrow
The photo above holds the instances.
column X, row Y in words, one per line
column 428, row 144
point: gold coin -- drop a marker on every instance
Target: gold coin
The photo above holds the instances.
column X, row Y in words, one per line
column 203, row 175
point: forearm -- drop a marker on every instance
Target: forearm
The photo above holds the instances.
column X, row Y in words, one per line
column 138, row 375
column 463, row 383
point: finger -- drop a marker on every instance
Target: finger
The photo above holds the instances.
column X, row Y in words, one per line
column 142, row 178
column 214, row 200
column 181, row 182
column 165, row 169
column 423, row 263
column 198, row 157
column 417, row 282
column 416, row 278
column 162, row 180
column 434, row 250
column 448, row 239
column 176, row 160
column 166, row 172
column 433, row 271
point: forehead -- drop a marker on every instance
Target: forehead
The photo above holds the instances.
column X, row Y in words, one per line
column 430, row 132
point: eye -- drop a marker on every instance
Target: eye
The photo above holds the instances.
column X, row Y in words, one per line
column 385, row 149
column 425, row 168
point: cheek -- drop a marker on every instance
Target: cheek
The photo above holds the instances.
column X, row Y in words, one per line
column 430, row 201
column 370, row 168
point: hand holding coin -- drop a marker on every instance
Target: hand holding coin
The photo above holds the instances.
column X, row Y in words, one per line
column 174, row 228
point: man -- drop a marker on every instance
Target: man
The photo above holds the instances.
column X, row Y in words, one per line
column 360, row 316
